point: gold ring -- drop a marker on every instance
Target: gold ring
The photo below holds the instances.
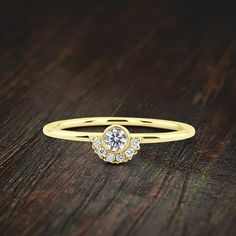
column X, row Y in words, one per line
column 116, row 144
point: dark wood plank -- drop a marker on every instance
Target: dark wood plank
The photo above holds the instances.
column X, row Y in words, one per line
column 170, row 60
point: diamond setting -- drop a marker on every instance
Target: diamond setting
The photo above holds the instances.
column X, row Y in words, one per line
column 115, row 139
column 120, row 158
column 96, row 142
column 129, row 153
column 135, row 144
column 101, row 153
column 110, row 157
column 115, row 145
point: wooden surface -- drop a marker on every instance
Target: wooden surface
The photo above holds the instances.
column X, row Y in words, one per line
column 159, row 59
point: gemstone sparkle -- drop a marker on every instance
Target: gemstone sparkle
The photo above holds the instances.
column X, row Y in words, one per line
column 110, row 157
column 115, row 139
column 120, row 158
column 101, row 153
column 96, row 142
column 129, row 153
column 135, row 144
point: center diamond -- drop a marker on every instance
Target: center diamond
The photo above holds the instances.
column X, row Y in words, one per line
column 116, row 138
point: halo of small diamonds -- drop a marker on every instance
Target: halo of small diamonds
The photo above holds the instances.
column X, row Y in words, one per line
column 115, row 145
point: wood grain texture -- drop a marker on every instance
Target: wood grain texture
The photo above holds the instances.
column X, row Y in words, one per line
column 158, row 59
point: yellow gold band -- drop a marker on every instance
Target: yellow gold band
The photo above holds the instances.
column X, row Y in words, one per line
column 179, row 131
column 116, row 144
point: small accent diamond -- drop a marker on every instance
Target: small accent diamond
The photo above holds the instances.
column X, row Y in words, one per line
column 120, row 158
column 129, row 153
column 101, row 153
column 110, row 157
column 135, row 144
column 96, row 142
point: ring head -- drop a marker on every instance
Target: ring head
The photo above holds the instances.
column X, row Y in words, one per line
column 115, row 145
column 116, row 138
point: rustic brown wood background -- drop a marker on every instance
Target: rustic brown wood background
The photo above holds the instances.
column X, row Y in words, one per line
column 161, row 59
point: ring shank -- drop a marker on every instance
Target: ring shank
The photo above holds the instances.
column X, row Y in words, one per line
column 179, row 131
